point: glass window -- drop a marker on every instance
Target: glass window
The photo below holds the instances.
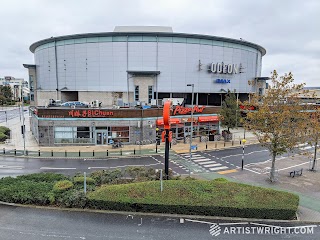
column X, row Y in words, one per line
column 193, row 40
column 150, row 93
column 149, row 38
column 120, row 134
column 136, row 93
column 135, row 39
column 165, row 39
column 73, row 135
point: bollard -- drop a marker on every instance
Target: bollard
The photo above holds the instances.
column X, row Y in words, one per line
column 4, row 151
column 39, row 153
column 15, row 152
column 79, row 153
column 92, row 153
column 157, row 148
column 51, row 153
column 206, row 146
column 215, row 145
column 65, row 153
column 232, row 142
column 27, row 152
column 107, row 152
column 224, row 144
column 121, row 152
column 134, row 151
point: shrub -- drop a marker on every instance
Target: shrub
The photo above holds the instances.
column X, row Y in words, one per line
column 72, row 198
column 3, row 137
column 106, row 176
column 42, row 177
column 214, row 198
column 25, row 192
column 5, row 130
column 80, row 180
column 62, row 186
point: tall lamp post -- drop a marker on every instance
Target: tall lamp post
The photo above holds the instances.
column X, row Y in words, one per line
column 23, row 129
column 191, row 85
column 243, row 143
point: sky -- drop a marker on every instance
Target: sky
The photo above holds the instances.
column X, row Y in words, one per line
column 288, row 29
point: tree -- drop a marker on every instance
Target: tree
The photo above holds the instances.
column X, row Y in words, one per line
column 313, row 136
column 6, row 92
column 278, row 121
column 230, row 114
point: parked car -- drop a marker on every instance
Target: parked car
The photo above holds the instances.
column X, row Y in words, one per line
column 75, row 104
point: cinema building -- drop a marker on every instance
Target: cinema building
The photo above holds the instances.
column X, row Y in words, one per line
column 126, row 74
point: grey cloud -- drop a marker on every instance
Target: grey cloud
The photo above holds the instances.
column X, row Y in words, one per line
column 287, row 29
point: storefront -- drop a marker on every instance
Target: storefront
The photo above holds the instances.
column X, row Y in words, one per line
column 65, row 126
column 181, row 127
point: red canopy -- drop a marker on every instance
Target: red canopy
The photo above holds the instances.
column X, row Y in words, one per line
column 208, row 119
column 172, row 121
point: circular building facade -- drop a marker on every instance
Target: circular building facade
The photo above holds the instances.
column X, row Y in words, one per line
column 143, row 64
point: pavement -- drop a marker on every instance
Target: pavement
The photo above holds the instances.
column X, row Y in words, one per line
column 306, row 186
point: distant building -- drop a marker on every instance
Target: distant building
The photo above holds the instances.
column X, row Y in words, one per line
column 17, row 85
column 312, row 96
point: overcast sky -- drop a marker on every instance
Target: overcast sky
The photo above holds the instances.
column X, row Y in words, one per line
column 288, row 29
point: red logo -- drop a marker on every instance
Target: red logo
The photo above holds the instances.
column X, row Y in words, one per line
column 186, row 110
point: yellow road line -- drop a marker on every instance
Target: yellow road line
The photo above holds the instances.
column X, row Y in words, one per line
column 228, row 171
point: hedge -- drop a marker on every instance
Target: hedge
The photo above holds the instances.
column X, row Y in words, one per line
column 214, row 198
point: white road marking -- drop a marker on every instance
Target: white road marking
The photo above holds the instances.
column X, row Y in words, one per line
column 202, row 160
column 208, row 162
column 11, row 167
column 52, row 168
column 212, row 165
column 293, row 166
column 218, row 168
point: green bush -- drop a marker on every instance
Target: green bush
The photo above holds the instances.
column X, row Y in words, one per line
column 42, row 177
column 62, row 186
column 214, row 198
column 24, row 192
column 80, row 180
column 3, row 137
column 107, row 176
column 72, row 198
column 5, row 130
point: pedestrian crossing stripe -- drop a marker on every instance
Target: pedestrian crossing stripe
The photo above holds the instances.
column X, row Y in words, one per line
column 228, row 171
column 202, row 160
column 208, row 162
column 212, row 165
column 218, row 168
column 193, row 157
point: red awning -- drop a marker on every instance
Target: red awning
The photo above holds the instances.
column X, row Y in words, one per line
column 208, row 119
column 172, row 121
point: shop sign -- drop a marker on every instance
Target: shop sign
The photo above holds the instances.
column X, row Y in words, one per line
column 186, row 110
column 223, row 80
column 224, row 68
column 90, row 113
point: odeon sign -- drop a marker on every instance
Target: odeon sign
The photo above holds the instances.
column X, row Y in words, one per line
column 224, row 68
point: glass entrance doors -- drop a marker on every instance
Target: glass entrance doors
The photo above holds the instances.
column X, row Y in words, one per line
column 102, row 137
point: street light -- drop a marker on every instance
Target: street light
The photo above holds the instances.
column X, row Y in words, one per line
column 243, row 143
column 23, row 128
column 191, row 85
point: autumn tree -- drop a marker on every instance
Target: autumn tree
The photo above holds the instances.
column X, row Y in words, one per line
column 278, row 121
column 313, row 133
column 230, row 114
